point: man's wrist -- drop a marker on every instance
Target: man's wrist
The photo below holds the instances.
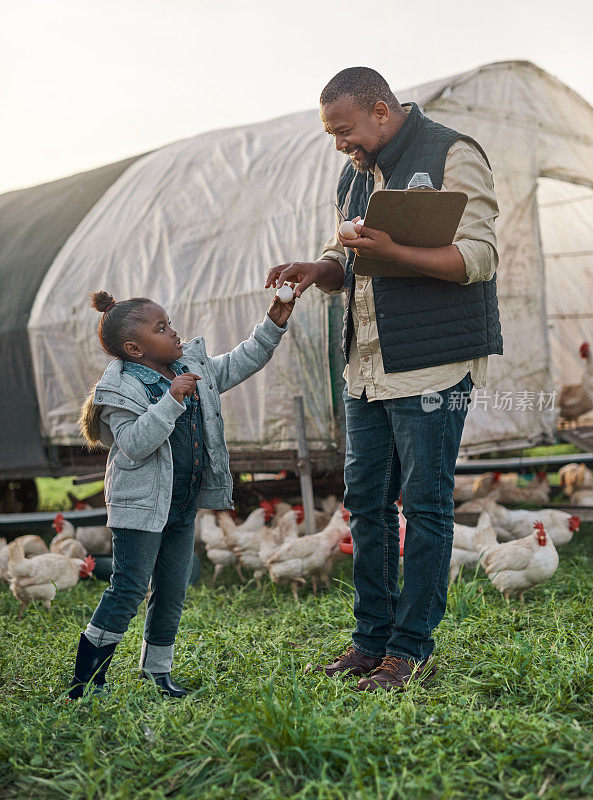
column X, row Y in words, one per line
column 317, row 270
column 395, row 254
column 329, row 274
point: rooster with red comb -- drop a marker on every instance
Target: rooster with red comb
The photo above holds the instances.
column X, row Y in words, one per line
column 514, row 567
column 511, row 524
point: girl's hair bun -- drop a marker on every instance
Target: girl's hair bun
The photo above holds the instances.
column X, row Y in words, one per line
column 101, row 301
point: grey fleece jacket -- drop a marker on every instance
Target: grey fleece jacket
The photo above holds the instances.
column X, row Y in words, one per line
column 139, row 473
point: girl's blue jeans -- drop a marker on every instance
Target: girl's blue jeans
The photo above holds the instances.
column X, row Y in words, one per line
column 410, row 445
column 138, row 555
column 167, row 557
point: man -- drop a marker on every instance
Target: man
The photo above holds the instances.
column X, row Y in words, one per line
column 403, row 338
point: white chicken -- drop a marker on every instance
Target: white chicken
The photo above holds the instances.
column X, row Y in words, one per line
column 511, row 524
column 309, row 556
column 330, row 503
column 273, row 507
column 245, row 539
column 40, row 577
column 32, row 546
column 464, row 488
column 273, row 538
column 583, row 497
column 321, row 519
column 66, row 546
column 64, row 541
column 64, row 525
column 217, row 548
column 516, row 566
column 95, row 539
column 471, row 544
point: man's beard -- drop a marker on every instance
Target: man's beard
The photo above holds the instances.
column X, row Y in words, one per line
column 367, row 163
column 369, row 157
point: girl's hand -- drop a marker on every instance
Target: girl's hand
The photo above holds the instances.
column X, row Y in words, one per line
column 184, row 385
column 279, row 312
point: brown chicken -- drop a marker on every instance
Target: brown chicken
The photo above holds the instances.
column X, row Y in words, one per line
column 576, row 400
column 574, row 477
column 536, row 493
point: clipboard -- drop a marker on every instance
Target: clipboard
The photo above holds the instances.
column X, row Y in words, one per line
column 412, row 217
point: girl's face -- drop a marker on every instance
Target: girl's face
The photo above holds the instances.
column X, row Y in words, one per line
column 155, row 340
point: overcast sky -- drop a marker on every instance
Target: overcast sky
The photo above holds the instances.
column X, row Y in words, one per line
column 87, row 82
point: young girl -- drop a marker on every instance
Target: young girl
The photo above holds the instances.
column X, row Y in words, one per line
column 157, row 407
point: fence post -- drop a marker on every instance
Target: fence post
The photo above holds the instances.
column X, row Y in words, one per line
column 304, row 465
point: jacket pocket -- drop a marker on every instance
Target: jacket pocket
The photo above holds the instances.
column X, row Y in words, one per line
column 127, row 480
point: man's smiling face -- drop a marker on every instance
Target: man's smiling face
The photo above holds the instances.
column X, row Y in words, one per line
column 359, row 134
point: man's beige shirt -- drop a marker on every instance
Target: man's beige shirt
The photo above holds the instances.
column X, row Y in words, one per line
column 465, row 171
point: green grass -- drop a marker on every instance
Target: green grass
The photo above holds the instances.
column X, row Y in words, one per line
column 563, row 449
column 53, row 492
column 510, row 717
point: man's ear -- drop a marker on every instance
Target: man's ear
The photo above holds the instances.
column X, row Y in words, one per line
column 132, row 349
column 381, row 110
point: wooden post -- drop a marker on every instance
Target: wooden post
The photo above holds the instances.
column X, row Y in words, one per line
column 304, row 465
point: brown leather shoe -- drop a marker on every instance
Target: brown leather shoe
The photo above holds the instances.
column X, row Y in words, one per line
column 395, row 673
column 351, row 663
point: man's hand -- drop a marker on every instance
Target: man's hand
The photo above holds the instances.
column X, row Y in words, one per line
column 184, row 385
column 304, row 273
column 445, row 263
column 371, row 243
column 279, row 312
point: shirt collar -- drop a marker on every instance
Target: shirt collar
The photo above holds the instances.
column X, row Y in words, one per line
column 394, row 149
column 148, row 375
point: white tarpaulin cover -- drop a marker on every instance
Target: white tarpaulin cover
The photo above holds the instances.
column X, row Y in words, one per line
column 566, row 215
column 196, row 225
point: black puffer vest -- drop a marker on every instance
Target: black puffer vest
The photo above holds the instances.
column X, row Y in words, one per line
column 423, row 321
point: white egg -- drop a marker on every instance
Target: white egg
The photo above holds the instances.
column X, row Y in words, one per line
column 347, row 230
column 285, row 293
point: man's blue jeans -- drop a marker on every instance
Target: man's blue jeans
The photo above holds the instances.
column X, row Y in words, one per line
column 407, row 444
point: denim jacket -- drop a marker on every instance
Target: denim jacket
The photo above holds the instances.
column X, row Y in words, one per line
column 139, row 472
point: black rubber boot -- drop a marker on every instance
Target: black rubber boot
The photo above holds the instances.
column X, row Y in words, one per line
column 91, row 666
column 164, row 684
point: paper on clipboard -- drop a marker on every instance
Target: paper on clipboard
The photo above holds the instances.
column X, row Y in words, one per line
column 412, row 217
